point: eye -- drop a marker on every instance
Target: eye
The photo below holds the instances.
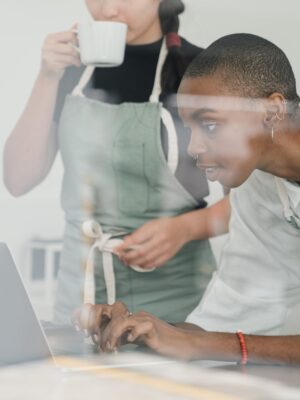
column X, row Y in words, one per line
column 209, row 126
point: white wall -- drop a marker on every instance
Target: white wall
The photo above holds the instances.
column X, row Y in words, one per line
column 24, row 24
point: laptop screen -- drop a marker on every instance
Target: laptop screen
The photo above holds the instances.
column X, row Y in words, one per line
column 21, row 336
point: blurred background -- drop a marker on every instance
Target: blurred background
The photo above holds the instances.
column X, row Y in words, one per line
column 24, row 25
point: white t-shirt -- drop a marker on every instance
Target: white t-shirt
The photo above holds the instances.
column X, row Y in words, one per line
column 257, row 287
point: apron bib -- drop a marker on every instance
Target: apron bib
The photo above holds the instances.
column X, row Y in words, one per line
column 289, row 213
column 292, row 324
column 116, row 176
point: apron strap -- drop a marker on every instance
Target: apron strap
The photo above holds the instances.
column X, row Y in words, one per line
column 105, row 244
column 108, row 271
column 172, row 157
column 84, row 80
column 173, row 151
column 156, row 91
column 284, row 198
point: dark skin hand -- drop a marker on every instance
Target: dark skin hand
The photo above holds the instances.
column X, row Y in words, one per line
column 158, row 335
column 96, row 320
column 104, row 324
column 112, row 326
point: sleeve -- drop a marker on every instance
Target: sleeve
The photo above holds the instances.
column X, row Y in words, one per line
column 66, row 86
column 253, row 289
column 225, row 309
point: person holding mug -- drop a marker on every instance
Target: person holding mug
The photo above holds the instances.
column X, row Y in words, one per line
column 126, row 169
column 239, row 98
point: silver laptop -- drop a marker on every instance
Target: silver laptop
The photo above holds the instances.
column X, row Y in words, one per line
column 23, row 339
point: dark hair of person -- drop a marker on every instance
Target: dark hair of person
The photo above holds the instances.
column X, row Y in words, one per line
column 249, row 66
column 176, row 62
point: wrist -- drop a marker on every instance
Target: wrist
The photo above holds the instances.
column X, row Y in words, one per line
column 216, row 346
column 193, row 225
column 49, row 78
column 180, row 345
column 186, row 226
column 199, row 345
column 186, row 345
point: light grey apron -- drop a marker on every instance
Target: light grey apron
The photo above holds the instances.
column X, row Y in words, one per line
column 117, row 177
column 291, row 325
column 289, row 213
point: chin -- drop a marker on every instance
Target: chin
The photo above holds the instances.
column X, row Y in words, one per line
column 232, row 182
column 235, row 176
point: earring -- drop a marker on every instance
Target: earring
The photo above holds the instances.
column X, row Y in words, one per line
column 279, row 118
column 272, row 134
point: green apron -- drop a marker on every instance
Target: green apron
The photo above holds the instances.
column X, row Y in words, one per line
column 117, row 175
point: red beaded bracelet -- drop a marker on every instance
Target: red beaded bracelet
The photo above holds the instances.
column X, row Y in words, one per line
column 244, row 351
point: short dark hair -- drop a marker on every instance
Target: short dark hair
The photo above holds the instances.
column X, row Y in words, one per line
column 249, row 66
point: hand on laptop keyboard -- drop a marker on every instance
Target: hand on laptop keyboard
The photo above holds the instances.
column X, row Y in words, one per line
column 96, row 321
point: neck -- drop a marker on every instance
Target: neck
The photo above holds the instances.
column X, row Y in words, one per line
column 153, row 34
column 281, row 158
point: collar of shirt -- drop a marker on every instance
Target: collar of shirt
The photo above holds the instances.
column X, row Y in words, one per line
column 293, row 190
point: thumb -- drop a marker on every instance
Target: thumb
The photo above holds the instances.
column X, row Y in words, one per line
column 127, row 242
column 74, row 27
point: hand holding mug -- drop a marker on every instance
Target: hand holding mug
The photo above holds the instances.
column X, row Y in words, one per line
column 58, row 53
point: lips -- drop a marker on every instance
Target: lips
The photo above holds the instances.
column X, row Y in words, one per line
column 207, row 166
column 212, row 171
column 212, row 174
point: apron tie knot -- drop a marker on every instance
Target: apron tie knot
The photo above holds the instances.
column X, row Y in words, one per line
column 105, row 244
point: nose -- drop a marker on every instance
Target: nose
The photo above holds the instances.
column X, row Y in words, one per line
column 109, row 9
column 196, row 145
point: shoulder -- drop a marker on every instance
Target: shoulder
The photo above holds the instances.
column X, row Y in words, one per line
column 190, row 49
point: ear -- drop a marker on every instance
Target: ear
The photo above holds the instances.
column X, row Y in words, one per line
column 275, row 109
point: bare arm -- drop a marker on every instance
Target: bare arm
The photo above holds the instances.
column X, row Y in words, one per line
column 31, row 148
column 192, row 343
column 207, row 222
column 158, row 241
column 187, row 326
column 261, row 349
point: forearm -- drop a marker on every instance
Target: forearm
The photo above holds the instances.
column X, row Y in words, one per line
column 31, row 147
column 206, row 222
column 273, row 349
column 187, row 326
column 260, row 349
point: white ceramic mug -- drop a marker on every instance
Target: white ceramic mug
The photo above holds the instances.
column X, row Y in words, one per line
column 102, row 43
